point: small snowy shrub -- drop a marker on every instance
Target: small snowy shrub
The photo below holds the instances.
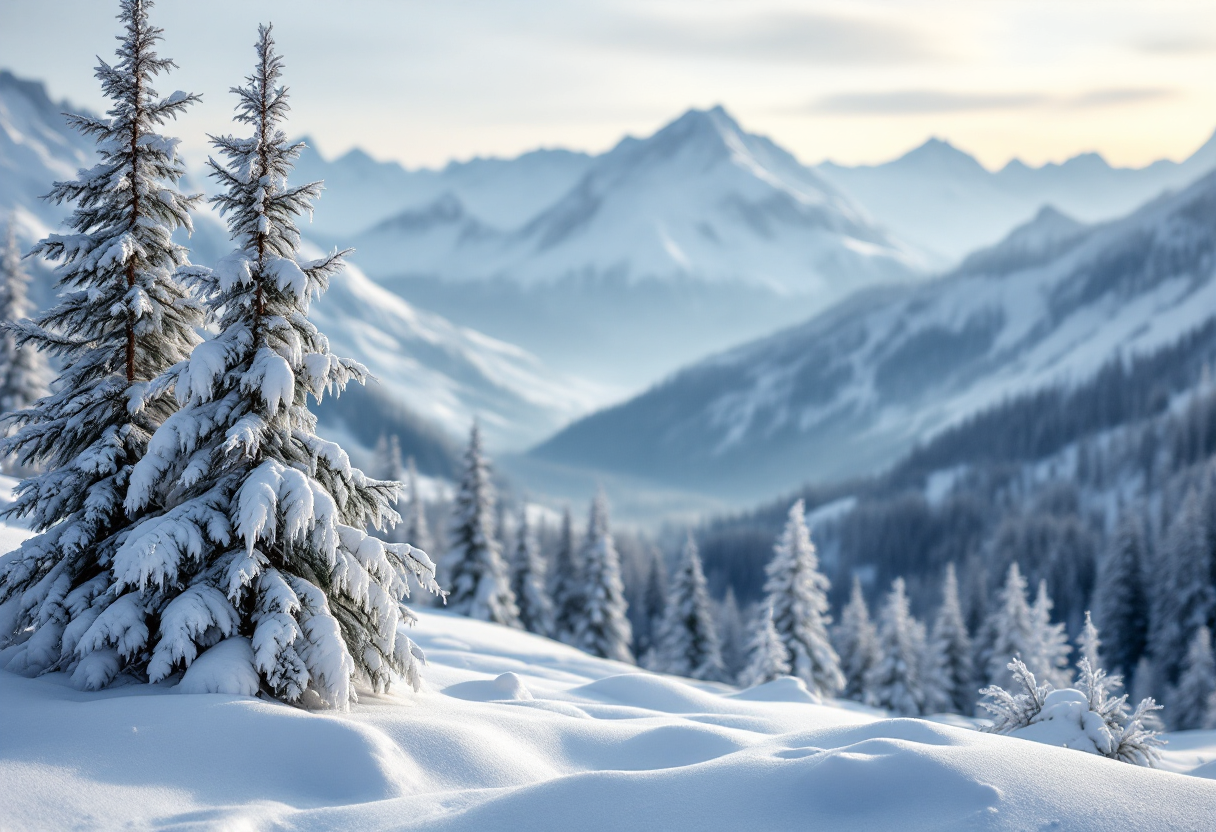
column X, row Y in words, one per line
column 1086, row 718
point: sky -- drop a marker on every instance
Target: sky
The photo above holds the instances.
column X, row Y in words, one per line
column 423, row 82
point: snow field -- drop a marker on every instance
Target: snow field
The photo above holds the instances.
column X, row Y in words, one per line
column 513, row 731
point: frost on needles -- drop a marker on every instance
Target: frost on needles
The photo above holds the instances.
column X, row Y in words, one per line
column 122, row 320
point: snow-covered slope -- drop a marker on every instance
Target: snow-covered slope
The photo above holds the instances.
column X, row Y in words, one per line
column 518, row 732
column 848, row 391
column 701, row 236
column 942, row 198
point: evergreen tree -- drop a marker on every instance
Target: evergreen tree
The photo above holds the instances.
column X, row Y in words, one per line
column 856, row 643
column 654, row 600
column 1191, row 701
column 731, row 634
column 476, row 572
column 769, row 658
column 122, row 319
column 688, row 638
column 1010, row 628
column 1090, row 642
column 602, row 627
column 895, row 682
column 950, row 680
column 24, row 375
column 1183, row 595
column 417, row 532
column 261, row 540
column 528, row 580
column 797, row 592
column 1121, row 605
column 1048, row 658
column 567, row 582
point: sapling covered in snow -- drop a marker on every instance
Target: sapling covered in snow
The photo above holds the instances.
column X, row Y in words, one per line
column 602, row 628
column 769, row 657
column 24, row 374
column 567, row 582
column 1191, row 701
column 856, row 643
column 796, row 591
column 688, row 638
column 261, row 533
column 895, row 681
column 528, row 579
column 122, row 319
column 476, row 573
column 949, row 677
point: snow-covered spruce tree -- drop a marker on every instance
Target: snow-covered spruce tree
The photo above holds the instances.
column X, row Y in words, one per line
column 1010, row 628
column 24, row 374
column 602, row 627
column 476, row 574
column 417, row 532
column 1190, row 702
column 894, row 683
column 1183, row 596
column 1121, row 605
column 950, row 671
column 769, row 658
column 567, row 581
column 856, row 643
column 797, row 592
column 261, row 538
column 528, row 580
column 1049, row 655
column 1089, row 642
column 122, row 320
column 688, row 638
column 1087, row 718
column 731, row 634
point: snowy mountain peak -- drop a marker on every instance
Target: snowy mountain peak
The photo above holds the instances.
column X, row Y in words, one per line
column 938, row 155
column 1048, row 235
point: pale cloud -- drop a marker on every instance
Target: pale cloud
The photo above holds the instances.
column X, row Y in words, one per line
column 781, row 37
column 922, row 102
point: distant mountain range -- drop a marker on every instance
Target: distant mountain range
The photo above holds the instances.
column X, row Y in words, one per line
column 443, row 374
column 850, row 390
column 950, row 205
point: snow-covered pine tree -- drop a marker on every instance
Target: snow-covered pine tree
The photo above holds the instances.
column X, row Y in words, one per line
column 261, row 539
column 24, row 374
column 856, row 643
column 602, row 627
column 769, row 658
column 417, row 532
column 567, row 582
column 1190, row 702
column 894, row 682
column 1089, row 642
column 1010, row 629
column 797, row 592
column 688, row 638
column 731, row 634
column 1121, row 605
column 477, row 575
column 122, row 319
column 1183, row 596
column 528, row 579
column 655, row 601
column 950, row 671
column 1049, row 656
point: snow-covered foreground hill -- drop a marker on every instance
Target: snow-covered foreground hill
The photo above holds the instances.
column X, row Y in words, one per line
column 517, row 732
column 514, row 731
